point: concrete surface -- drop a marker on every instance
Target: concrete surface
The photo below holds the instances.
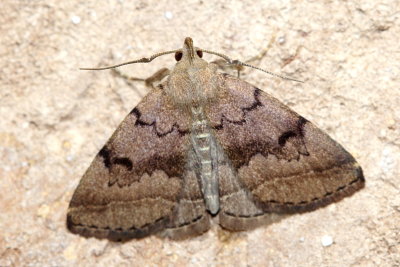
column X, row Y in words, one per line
column 55, row 118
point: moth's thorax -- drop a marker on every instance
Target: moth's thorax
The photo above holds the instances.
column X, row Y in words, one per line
column 193, row 83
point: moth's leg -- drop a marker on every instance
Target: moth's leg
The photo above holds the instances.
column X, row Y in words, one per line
column 223, row 65
column 239, row 67
column 156, row 77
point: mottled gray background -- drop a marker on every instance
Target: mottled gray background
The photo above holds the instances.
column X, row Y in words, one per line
column 55, row 118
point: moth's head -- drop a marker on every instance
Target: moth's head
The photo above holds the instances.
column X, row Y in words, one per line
column 193, row 80
column 189, row 55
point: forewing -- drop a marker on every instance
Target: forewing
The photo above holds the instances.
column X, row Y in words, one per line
column 132, row 187
column 283, row 160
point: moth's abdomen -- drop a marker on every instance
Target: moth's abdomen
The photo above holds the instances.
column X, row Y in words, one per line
column 205, row 149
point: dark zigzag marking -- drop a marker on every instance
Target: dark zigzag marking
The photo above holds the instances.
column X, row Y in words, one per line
column 257, row 103
column 124, row 162
column 135, row 112
column 105, row 153
column 109, row 160
column 288, row 134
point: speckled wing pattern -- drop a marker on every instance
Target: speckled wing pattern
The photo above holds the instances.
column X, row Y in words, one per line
column 283, row 163
column 134, row 186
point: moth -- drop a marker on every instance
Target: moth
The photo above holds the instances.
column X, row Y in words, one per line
column 202, row 146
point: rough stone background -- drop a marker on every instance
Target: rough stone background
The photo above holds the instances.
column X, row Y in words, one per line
column 55, row 118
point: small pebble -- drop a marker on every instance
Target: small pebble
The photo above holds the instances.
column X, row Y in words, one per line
column 70, row 158
column 326, row 240
column 75, row 19
column 281, row 40
column 168, row 15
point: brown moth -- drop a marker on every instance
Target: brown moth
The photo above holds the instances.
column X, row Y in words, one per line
column 205, row 145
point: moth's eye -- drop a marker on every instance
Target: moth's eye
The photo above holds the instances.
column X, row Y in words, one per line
column 199, row 53
column 178, row 56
